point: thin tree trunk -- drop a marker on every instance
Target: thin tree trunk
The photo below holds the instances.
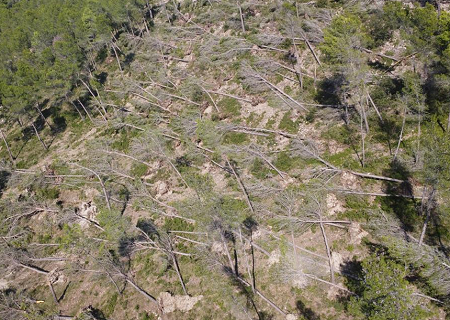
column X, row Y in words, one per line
column 230, row 95
column 325, row 239
column 37, row 270
column 429, row 208
column 241, row 185
column 312, row 51
column 211, row 98
column 7, row 146
column 363, row 137
column 42, row 116
column 142, row 291
column 101, row 183
column 93, row 95
column 117, row 56
column 298, row 70
column 270, row 84
column 230, row 261
column 261, row 155
column 273, row 305
column 114, row 282
column 448, row 122
column 246, row 261
column 419, row 133
column 241, row 17
column 375, row 107
column 400, row 138
column 53, row 292
column 38, row 136
column 78, row 110
column 177, row 267
column 82, row 105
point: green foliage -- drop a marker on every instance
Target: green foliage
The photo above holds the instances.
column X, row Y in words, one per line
column 384, row 293
column 284, row 162
column 230, row 107
column 45, row 44
column 110, row 304
column 177, row 224
column 138, row 169
column 437, row 156
column 259, row 169
column 114, row 223
column 235, row 138
column 287, row 124
column 48, row 193
column 346, row 31
column 356, row 208
column 207, row 131
column 383, row 22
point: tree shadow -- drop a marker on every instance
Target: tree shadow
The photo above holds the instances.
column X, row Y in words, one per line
column 95, row 313
column 389, row 130
column 246, row 292
column 439, row 234
column 4, row 178
column 378, row 65
column 330, row 89
column 401, row 201
column 60, row 124
column 353, row 275
column 64, row 292
column 306, row 312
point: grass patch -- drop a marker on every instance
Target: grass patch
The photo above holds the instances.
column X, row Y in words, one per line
column 230, row 107
column 235, row 138
column 287, row 124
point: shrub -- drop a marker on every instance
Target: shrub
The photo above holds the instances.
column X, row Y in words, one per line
column 384, row 293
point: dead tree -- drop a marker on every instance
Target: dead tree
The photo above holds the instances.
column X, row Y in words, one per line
column 151, row 238
column 301, row 216
column 105, row 193
column 42, row 116
column 13, row 257
column 7, row 146
column 110, row 265
column 428, row 206
column 38, row 136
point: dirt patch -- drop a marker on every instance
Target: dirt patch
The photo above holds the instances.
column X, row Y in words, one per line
column 349, row 181
column 88, row 211
column 356, row 233
column 4, row 284
column 334, row 205
column 181, row 303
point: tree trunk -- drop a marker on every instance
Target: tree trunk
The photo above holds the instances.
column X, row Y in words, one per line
column 429, row 208
column 241, row 17
column 101, row 183
column 400, row 138
column 42, row 116
column 82, row 105
column 177, row 267
column 78, row 110
column 330, row 259
column 448, row 121
column 53, row 292
column 142, row 291
column 38, row 136
column 117, row 56
column 298, row 70
column 230, row 261
column 7, row 146
column 241, row 185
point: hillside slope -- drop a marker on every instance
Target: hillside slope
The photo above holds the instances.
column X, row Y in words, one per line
column 224, row 160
